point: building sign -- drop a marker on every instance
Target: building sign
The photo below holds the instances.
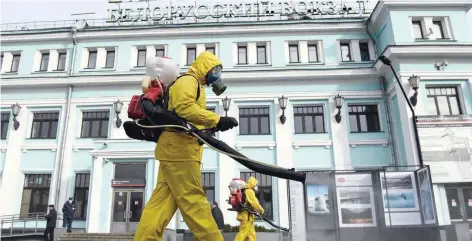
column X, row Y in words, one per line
column 311, row 9
column 297, row 211
column 137, row 182
column 446, row 144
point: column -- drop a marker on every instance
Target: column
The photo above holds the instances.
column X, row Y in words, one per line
column 12, row 178
column 36, row 61
column 269, row 52
column 303, row 51
column 94, row 196
column 134, row 56
column 53, row 60
column 235, row 53
column 283, row 134
column 183, row 55
column 340, row 136
column 200, row 48
column 7, row 62
column 227, row 169
column 101, row 57
column 287, row 53
column 252, row 53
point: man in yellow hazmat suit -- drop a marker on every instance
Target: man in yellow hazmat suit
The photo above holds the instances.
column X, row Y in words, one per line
column 179, row 176
column 246, row 228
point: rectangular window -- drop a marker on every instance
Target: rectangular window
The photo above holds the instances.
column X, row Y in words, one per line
column 61, row 62
column 81, row 193
column 242, row 55
column 44, row 62
column 364, row 118
column 293, row 54
column 45, row 125
column 95, row 124
column 417, row 30
column 35, row 194
column 312, row 53
column 365, row 53
column 191, row 55
column 309, row 119
column 212, row 109
column 211, row 49
column 438, row 30
column 160, row 52
column 92, row 61
column 261, row 55
column 141, row 58
column 443, row 101
column 254, row 121
column 264, row 195
column 345, row 52
column 5, row 122
column 15, row 63
column 1, row 62
column 208, row 183
column 110, row 62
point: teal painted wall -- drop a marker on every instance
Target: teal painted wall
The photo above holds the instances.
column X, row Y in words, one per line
column 107, row 91
column 210, row 158
column 314, row 157
column 36, row 93
column 37, row 161
column 81, row 160
column 370, row 156
column 2, row 161
column 383, row 35
column 262, row 154
column 401, row 29
column 427, row 64
column 398, row 130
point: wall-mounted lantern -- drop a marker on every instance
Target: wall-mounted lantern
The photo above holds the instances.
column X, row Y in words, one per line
column 15, row 110
column 283, row 104
column 226, row 103
column 414, row 83
column 118, row 105
column 338, row 102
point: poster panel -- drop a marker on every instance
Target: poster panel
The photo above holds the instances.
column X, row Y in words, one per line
column 319, row 202
column 399, row 192
column 355, row 199
column 426, row 195
column 297, row 211
column 446, row 144
column 403, row 218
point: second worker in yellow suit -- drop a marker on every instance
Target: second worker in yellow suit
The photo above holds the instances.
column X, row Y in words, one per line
column 246, row 228
column 179, row 154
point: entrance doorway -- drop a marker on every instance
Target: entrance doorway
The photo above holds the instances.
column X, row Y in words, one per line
column 459, row 201
column 127, row 209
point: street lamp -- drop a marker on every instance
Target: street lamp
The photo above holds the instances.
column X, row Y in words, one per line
column 338, row 102
column 388, row 62
column 283, row 104
column 414, row 82
column 226, row 104
column 15, row 110
column 118, row 105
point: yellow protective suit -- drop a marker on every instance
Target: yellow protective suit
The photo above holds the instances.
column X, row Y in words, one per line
column 179, row 178
column 246, row 227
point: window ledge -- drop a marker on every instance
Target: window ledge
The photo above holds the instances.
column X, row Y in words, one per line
column 10, row 73
column 97, row 70
column 366, row 132
column 40, row 72
column 305, row 64
column 435, row 40
column 383, row 142
column 252, row 65
column 137, row 68
column 356, row 62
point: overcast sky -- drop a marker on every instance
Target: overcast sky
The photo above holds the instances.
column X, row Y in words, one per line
column 49, row 10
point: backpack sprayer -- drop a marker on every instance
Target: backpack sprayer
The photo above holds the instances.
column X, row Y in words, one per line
column 150, row 117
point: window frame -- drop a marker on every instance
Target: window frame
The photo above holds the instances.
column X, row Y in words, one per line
column 258, row 116
column 189, row 49
column 163, row 50
column 138, row 58
column 262, row 185
column 316, row 53
column 59, row 61
column 456, row 96
column 358, row 114
column 43, row 66
column 212, row 180
column 245, row 55
column 94, row 53
column 441, row 28
column 213, row 48
column 42, row 188
column 92, row 119
column 49, row 126
column 107, row 62
column 348, row 44
column 15, row 56
column 313, row 115
column 367, row 49
column 5, row 123
column 81, row 191
column 413, row 23
column 258, row 54
column 1, row 61
column 290, row 46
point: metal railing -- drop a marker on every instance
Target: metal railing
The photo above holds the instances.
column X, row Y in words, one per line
column 23, row 224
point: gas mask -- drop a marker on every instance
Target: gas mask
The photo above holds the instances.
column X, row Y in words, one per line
column 213, row 78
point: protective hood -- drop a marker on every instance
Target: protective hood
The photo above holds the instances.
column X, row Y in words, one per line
column 202, row 65
column 251, row 183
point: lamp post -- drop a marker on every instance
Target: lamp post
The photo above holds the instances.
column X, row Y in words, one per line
column 15, row 110
column 414, row 81
column 118, row 105
column 226, row 104
column 338, row 102
column 388, row 62
column 283, row 104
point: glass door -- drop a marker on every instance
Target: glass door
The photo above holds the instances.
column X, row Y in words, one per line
column 127, row 210
column 467, row 197
column 454, row 204
column 136, row 206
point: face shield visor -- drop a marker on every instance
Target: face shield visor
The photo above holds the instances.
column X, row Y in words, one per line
column 214, row 79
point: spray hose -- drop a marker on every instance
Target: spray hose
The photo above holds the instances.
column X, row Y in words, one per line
column 265, row 219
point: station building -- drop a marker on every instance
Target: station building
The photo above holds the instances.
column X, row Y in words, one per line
column 309, row 93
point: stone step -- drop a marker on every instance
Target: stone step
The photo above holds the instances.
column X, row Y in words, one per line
column 96, row 237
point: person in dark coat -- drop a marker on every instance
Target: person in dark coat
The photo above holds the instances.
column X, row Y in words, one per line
column 68, row 210
column 50, row 224
column 217, row 215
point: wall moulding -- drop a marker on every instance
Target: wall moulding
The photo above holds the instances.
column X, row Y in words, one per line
column 269, row 144
column 298, row 144
column 383, row 142
column 25, row 148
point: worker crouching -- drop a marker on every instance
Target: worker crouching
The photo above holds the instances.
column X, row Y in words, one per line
column 246, row 219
